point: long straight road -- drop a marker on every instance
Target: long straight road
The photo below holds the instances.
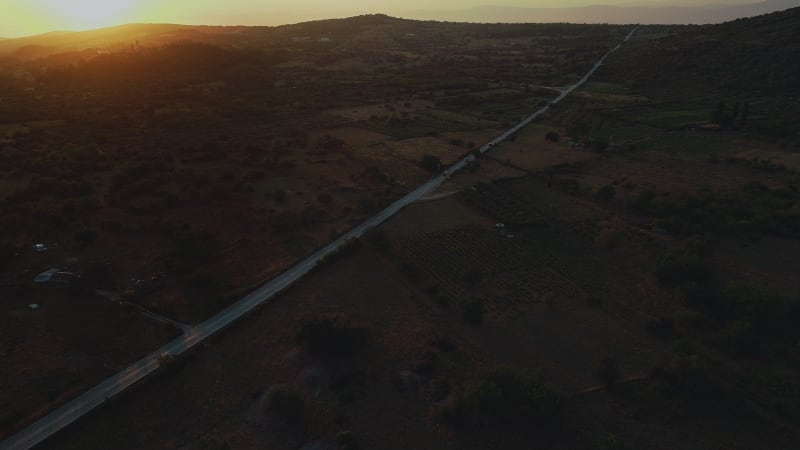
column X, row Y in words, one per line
column 91, row 399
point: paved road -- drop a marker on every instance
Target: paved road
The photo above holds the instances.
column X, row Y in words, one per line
column 68, row 413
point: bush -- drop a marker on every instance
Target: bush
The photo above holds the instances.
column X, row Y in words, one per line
column 7, row 252
column 741, row 340
column 607, row 239
column 97, row 276
column 440, row 389
column 378, row 238
column 473, row 311
column 411, row 270
column 286, row 402
column 680, row 266
column 472, row 276
column 331, row 336
column 212, row 443
column 431, row 163
column 607, row 371
column 610, row 442
column 605, row 193
column 85, row 237
column 346, row 441
column 504, row 396
column 699, row 296
column 595, row 301
column 663, row 326
column 688, row 379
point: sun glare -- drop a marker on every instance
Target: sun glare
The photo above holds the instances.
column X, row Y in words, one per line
column 86, row 14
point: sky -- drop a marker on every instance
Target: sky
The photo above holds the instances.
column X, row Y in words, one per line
column 27, row 17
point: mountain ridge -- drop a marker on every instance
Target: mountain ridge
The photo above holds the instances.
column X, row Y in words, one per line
column 620, row 14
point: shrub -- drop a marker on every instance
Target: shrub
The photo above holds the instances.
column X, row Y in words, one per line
column 703, row 296
column 212, row 443
column 741, row 339
column 7, row 252
column 85, row 236
column 610, row 442
column 680, row 266
column 431, row 163
column 346, row 441
column 331, row 336
column 440, row 389
column 97, row 276
column 472, row 276
column 595, row 301
column 663, row 326
column 607, row 239
column 203, row 285
column 605, row 193
column 411, row 270
column 378, row 238
column 473, row 311
column 286, row 402
column 688, row 377
column 504, row 396
column 607, row 371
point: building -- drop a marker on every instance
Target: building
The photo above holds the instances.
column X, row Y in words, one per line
column 53, row 276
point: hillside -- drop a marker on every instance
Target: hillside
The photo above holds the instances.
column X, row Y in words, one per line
column 619, row 273
column 114, row 38
column 758, row 55
column 651, row 13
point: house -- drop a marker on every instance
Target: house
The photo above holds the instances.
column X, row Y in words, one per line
column 53, row 276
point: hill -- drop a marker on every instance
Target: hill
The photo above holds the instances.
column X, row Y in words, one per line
column 649, row 14
column 114, row 38
column 758, row 55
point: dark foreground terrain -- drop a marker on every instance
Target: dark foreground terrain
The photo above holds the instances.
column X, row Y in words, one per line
column 642, row 292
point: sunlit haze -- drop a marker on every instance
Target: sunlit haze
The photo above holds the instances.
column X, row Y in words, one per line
column 18, row 18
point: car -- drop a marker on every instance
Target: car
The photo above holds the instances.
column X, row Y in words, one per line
column 500, row 226
column 469, row 159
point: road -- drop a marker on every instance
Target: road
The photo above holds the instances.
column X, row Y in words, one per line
column 91, row 399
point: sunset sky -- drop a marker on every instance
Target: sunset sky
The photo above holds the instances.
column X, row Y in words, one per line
column 26, row 17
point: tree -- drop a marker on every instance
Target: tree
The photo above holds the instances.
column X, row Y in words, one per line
column 346, row 441
column 743, row 115
column 330, row 143
column 502, row 396
column 607, row 371
column 286, row 402
column 473, row 311
column 552, row 136
column 605, row 193
column 431, row 163
column 473, row 276
column 719, row 111
column 7, row 252
column 331, row 336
